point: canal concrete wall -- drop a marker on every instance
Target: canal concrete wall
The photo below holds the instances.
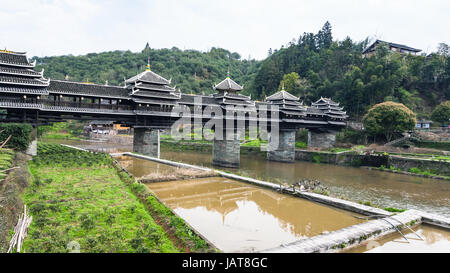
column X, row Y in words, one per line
column 350, row 236
column 336, row 240
column 347, row 158
column 321, row 139
column 439, row 167
column 226, row 152
column 285, row 151
column 146, row 141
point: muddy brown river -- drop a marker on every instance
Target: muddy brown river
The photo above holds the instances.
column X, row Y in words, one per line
column 357, row 184
column 238, row 217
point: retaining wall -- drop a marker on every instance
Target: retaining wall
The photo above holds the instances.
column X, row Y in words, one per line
column 434, row 166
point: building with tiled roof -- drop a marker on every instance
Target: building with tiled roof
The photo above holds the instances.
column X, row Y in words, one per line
column 17, row 76
column 227, row 94
column 402, row 49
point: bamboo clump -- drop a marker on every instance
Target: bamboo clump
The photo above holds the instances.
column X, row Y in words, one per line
column 20, row 231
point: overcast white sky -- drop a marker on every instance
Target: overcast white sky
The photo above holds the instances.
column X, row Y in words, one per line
column 249, row 27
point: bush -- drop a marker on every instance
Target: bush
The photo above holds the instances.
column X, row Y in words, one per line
column 388, row 119
column 20, row 135
column 349, row 135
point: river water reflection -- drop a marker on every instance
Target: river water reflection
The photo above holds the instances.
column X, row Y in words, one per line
column 357, row 184
column 237, row 217
column 436, row 240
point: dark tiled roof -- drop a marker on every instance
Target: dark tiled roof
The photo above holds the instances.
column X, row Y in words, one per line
column 371, row 46
column 31, row 91
column 19, row 71
column 158, row 87
column 84, row 89
column 14, row 80
column 14, row 59
column 237, row 102
column 282, row 95
column 145, row 93
column 228, row 85
column 189, row 99
column 231, row 96
column 324, row 101
column 154, row 101
column 314, row 111
column 298, row 113
column 148, row 76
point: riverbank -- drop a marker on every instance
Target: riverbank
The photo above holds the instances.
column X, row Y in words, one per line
column 435, row 168
column 80, row 198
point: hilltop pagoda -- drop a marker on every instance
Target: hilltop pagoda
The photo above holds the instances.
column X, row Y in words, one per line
column 18, row 80
column 150, row 88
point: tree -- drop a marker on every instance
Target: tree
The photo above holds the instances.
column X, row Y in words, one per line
column 324, row 36
column 389, row 118
column 293, row 84
column 442, row 112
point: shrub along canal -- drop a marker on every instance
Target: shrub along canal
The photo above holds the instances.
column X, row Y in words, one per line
column 357, row 184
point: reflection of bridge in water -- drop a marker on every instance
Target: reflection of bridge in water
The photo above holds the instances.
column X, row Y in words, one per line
column 235, row 205
column 148, row 102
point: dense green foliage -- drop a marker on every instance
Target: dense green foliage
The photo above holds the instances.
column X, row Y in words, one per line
column 70, row 129
column 314, row 65
column 20, row 135
column 442, row 112
column 192, row 71
column 433, row 145
column 389, row 118
column 77, row 196
column 6, row 158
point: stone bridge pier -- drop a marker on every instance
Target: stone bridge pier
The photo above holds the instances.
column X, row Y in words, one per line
column 321, row 139
column 285, row 150
column 227, row 150
column 146, row 142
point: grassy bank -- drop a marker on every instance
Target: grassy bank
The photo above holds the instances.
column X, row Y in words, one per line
column 12, row 184
column 180, row 232
column 78, row 196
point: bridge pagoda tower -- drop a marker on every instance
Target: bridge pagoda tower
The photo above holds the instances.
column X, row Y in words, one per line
column 290, row 112
column 325, row 137
column 150, row 91
column 226, row 146
column 21, row 89
column 21, row 86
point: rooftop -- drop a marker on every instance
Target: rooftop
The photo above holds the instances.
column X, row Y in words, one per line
column 148, row 76
column 228, row 85
column 371, row 46
column 87, row 89
column 282, row 95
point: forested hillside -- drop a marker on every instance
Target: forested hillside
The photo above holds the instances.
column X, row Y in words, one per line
column 314, row 65
column 192, row 71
